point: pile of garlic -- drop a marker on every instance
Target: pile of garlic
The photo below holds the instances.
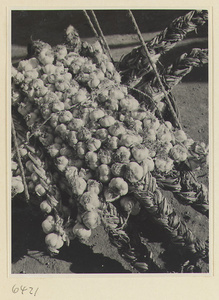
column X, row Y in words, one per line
column 101, row 138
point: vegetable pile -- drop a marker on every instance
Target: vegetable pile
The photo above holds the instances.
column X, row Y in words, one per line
column 105, row 148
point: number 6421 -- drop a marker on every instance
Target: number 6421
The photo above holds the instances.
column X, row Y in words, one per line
column 24, row 289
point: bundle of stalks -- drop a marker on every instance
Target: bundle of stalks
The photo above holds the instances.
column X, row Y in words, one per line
column 135, row 64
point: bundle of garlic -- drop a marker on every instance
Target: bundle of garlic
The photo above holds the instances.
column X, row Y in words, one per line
column 101, row 139
column 45, row 190
column 135, row 65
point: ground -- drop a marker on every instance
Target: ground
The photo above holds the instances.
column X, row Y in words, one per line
column 98, row 255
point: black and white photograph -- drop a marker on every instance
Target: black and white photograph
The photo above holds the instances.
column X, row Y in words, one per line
column 109, row 141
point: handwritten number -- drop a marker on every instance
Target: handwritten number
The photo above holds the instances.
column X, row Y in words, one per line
column 36, row 291
column 23, row 289
column 15, row 289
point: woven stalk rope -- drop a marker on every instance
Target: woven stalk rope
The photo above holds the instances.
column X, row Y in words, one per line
column 126, row 238
column 163, row 213
column 171, row 76
column 187, row 189
column 135, row 64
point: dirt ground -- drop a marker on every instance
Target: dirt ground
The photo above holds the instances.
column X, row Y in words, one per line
column 98, row 255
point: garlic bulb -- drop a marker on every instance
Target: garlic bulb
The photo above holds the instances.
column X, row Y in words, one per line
column 134, row 172
column 93, row 144
column 151, row 122
column 17, row 186
column 46, row 55
column 118, row 169
column 117, row 129
column 127, row 203
column 62, row 163
column 91, row 219
column 107, row 121
column 112, row 143
column 48, row 225
column 81, row 231
column 45, row 207
column 72, row 138
column 91, row 159
column 94, row 186
column 70, row 173
column 101, row 134
column 89, row 201
column 178, row 153
column 116, row 93
column 180, row 136
column 139, row 153
column 163, row 165
column 104, row 173
column 39, row 190
column 129, row 103
column 96, row 115
column 78, row 185
column 54, row 242
column 105, row 156
column 81, row 149
column 75, row 124
column 129, row 140
column 147, row 165
column 119, row 186
column 123, row 154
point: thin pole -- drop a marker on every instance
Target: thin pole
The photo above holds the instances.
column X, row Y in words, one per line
column 26, row 193
column 102, row 35
column 154, row 68
column 91, row 24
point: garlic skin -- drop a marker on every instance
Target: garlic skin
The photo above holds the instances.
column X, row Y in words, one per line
column 90, row 201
